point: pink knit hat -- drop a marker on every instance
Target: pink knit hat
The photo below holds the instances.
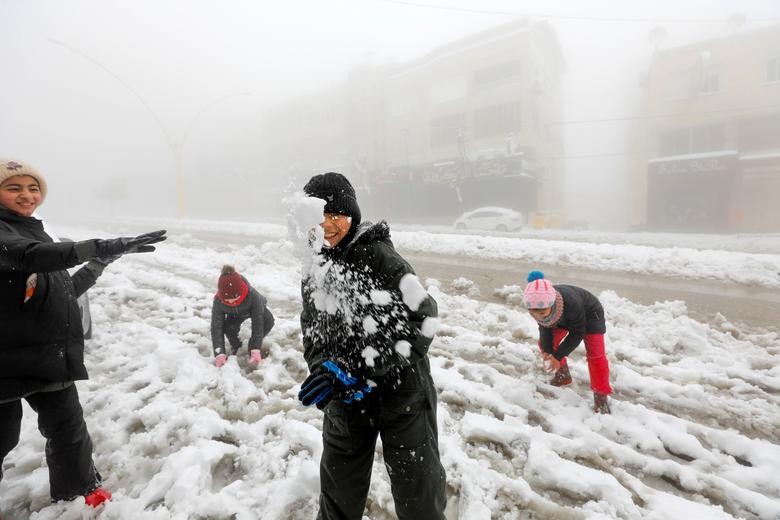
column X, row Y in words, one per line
column 539, row 293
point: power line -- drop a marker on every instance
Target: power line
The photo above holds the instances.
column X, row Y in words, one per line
column 623, row 119
column 565, row 17
column 663, row 116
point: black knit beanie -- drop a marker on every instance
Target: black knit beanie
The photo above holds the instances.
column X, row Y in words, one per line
column 338, row 194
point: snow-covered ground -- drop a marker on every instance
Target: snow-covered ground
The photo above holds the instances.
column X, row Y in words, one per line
column 694, row 433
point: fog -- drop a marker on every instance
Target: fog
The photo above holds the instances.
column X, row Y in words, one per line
column 217, row 109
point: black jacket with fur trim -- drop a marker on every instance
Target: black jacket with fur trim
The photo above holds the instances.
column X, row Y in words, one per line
column 364, row 307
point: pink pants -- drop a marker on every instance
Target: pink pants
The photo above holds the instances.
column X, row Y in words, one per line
column 598, row 366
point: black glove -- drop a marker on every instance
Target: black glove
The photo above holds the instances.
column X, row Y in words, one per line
column 330, row 380
column 104, row 261
column 110, row 249
column 114, row 247
column 98, row 265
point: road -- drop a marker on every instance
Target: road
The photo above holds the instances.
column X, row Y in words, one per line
column 740, row 304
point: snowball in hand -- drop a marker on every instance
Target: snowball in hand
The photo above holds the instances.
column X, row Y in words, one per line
column 412, row 291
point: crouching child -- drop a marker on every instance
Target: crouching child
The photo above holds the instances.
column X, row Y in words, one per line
column 235, row 301
column 568, row 315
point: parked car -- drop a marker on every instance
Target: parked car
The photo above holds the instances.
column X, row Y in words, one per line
column 491, row 219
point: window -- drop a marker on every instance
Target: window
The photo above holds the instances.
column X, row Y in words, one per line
column 445, row 130
column 773, row 69
column 498, row 120
column 677, row 85
column 692, row 140
column 760, row 134
column 674, row 142
column 709, row 81
column 707, row 139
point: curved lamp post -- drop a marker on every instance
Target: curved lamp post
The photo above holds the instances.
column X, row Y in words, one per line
column 174, row 146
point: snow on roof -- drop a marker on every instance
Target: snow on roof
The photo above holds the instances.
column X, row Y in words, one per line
column 759, row 156
column 490, row 208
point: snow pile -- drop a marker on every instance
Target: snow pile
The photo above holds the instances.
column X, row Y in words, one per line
column 694, row 434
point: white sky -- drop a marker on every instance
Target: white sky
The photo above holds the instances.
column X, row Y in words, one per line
column 79, row 124
column 694, row 430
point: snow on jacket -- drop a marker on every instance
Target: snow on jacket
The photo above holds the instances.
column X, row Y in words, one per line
column 254, row 306
column 42, row 341
column 582, row 314
column 354, row 313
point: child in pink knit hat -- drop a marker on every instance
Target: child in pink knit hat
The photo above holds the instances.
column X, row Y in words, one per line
column 567, row 315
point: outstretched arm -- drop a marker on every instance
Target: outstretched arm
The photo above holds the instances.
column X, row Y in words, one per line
column 18, row 253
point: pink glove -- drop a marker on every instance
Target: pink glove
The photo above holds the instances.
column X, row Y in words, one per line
column 255, row 357
column 220, row 360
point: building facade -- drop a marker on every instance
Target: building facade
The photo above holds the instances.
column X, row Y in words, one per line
column 709, row 157
column 469, row 124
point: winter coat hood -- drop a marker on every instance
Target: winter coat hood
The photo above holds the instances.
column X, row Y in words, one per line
column 365, row 233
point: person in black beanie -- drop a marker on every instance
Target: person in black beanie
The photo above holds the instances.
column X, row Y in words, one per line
column 366, row 325
column 342, row 213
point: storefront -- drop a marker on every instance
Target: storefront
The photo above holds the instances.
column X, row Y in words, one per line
column 694, row 192
column 760, row 193
column 447, row 189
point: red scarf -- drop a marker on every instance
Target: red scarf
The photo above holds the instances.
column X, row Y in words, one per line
column 240, row 300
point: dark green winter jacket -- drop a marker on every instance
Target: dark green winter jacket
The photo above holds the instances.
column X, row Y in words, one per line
column 254, row 306
column 42, row 341
column 354, row 313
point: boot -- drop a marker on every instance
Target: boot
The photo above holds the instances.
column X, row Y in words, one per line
column 601, row 403
column 97, row 497
column 562, row 377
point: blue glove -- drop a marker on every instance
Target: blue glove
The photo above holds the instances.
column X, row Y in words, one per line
column 330, row 381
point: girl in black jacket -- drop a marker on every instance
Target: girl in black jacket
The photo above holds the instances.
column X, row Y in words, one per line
column 234, row 302
column 42, row 343
column 567, row 315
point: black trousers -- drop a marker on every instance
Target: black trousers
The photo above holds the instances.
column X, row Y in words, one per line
column 68, row 445
column 411, row 451
column 232, row 328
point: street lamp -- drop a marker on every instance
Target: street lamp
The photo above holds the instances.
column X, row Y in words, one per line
column 178, row 146
column 174, row 146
